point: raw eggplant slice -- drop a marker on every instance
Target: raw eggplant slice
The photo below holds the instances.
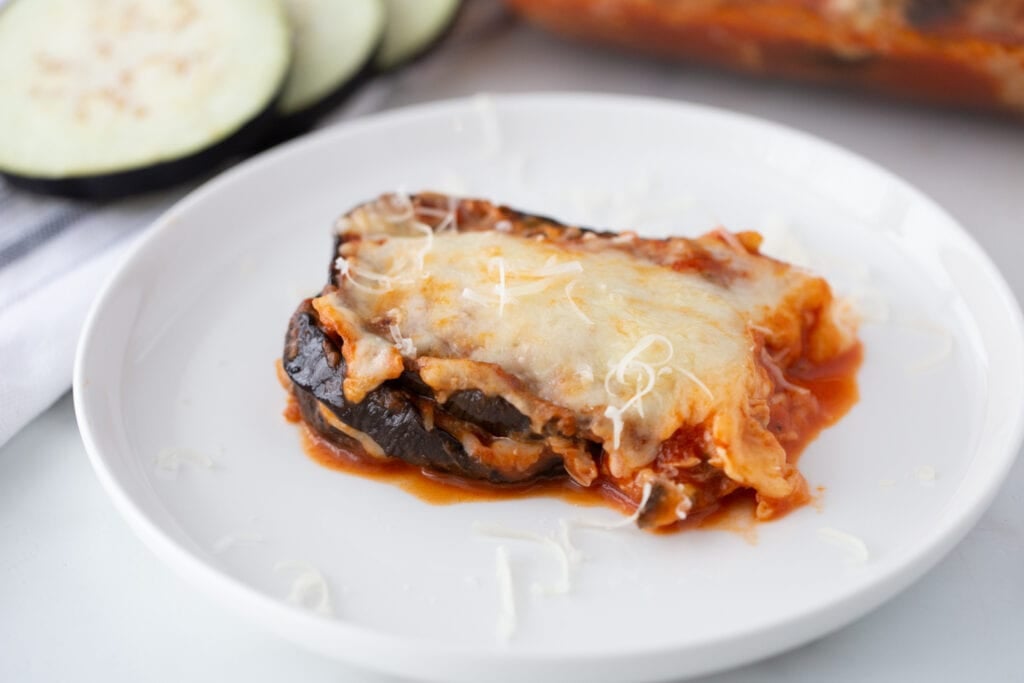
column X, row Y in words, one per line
column 413, row 28
column 105, row 98
column 335, row 42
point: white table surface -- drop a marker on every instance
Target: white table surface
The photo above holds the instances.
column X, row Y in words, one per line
column 82, row 600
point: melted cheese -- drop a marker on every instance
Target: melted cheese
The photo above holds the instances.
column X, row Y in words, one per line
column 519, row 317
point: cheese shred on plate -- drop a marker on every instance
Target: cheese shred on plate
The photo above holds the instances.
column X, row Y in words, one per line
column 495, row 345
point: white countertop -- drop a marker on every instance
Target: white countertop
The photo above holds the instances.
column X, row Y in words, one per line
column 81, row 599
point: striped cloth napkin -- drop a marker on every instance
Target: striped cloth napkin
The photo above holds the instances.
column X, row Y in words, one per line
column 55, row 254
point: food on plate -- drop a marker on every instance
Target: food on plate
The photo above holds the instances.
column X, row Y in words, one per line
column 335, row 43
column 106, row 99
column 961, row 52
column 472, row 339
column 414, row 27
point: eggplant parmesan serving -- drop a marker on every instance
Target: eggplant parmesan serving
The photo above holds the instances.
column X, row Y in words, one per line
column 469, row 339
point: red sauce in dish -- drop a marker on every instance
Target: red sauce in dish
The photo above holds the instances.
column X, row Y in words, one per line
column 833, row 385
column 438, row 488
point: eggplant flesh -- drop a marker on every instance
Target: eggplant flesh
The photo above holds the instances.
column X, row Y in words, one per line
column 159, row 176
column 414, row 28
column 392, row 414
column 335, row 46
column 101, row 100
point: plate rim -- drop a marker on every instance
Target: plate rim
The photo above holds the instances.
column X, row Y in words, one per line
column 366, row 644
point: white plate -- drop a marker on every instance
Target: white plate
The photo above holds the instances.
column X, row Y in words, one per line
column 179, row 351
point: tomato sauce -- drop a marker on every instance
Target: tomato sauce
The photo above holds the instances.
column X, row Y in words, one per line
column 832, row 385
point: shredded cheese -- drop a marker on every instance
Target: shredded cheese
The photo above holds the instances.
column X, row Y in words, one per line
column 551, row 268
column 428, row 242
column 309, row 587
column 396, row 212
column 935, row 358
column 568, row 295
column 404, row 204
column 619, row 369
column 503, row 294
column 474, row 301
column 776, row 372
column 693, row 378
column 349, row 272
column 683, row 508
column 565, row 537
column 501, row 289
column 405, row 345
column 170, row 460
column 506, row 595
column 564, row 583
column 608, row 526
column 585, row 373
column 240, row 538
column 926, row 474
column 646, row 378
column 854, row 546
column 477, row 298
column 731, row 240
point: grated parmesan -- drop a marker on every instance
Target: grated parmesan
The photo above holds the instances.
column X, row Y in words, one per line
column 309, row 587
column 228, row 541
column 646, row 378
column 170, row 460
column 568, row 295
column 506, row 595
column 609, row 526
column 565, row 537
column 405, row 345
column 776, row 372
column 731, row 241
column 397, row 211
column 855, row 547
column 934, row 359
column 560, row 553
column 503, row 294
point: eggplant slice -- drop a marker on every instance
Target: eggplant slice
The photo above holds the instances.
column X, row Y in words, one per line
column 106, row 99
column 414, row 27
column 402, row 419
column 400, row 415
column 439, row 417
column 335, row 44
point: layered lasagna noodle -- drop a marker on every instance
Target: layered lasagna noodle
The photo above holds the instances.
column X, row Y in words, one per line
column 472, row 339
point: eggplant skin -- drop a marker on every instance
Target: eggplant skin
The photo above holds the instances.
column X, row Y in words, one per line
column 427, row 48
column 288, row 126
column 389, row 414
column 159, row 176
